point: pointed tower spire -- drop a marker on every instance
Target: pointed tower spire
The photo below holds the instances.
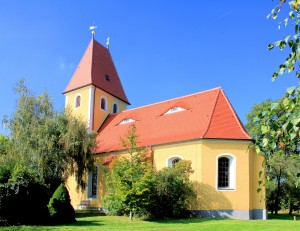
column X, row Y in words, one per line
column 97, row 68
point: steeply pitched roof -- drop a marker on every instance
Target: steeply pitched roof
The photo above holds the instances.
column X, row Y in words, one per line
column 97, row 68
column 206, row 114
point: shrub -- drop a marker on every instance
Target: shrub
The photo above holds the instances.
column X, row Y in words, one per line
column 23, row 198
column 154, row 194
column 23, row 204
column 6, row 171
column 24, row 175
column 172, row 192
column 60, row 208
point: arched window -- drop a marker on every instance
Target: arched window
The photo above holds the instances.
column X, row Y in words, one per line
column 93, row 182
column 175, row 161
column 115, row 108
column 226, row 174
column 103, row 103
column 172, row 160
column 223, row 172
column 77, row 101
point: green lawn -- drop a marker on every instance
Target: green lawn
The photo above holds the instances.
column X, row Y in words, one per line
column 92, row 221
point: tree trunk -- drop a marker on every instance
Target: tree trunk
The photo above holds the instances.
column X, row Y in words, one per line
column 130, row 215
column 291, row 208
column 277, row 198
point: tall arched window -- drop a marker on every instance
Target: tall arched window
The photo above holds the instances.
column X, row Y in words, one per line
column 103, row 103
column 223, row 172
column 93, row 182
column 77, row 101
column 115, row 108
column 226, row 172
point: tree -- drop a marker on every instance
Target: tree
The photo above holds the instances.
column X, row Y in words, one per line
column 3, row 143
column 281, row 153
column 135, row 187
column 290, row 129
column 292, row 41
column 7, row 168
column 56, row 145
column 129, row 181
column 173, row 191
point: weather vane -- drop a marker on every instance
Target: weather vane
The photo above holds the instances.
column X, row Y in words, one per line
column 107, row 43
column 92, row 28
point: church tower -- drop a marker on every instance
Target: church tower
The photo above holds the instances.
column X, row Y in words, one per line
column 95, row 89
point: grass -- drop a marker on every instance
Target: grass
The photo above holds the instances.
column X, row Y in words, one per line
column 96, row 221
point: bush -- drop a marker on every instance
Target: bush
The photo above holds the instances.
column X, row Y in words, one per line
column 60, row 208
column 23, row 198
column 153, row 195
column 23, row 204
column 6, row 171
column 172, row 192
column 24, row 175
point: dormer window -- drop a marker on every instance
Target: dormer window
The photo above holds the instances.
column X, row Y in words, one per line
column 175, row 109
column 107, row 78
column 127, row 120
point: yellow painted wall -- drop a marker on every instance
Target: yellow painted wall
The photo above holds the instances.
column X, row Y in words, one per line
column 227, row 199
column 187, row 150
column 77, row 195
column 81, row 111
column 258, row 198
column 203, row 155
column 99, row 114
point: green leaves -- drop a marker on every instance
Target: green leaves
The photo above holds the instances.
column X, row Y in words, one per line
column 134, row 186
column 55, row 145
column 292, row 19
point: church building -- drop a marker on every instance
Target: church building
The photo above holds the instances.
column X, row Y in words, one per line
column 202, row 127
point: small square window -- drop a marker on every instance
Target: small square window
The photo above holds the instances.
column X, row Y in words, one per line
column 107, row 78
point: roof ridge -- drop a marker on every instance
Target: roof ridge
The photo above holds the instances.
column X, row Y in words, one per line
column 112, row 60
column 91, row 64
column 212, row 112
column 240, row 124
column 169, row 100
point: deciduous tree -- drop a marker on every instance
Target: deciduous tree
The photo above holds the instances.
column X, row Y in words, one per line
column 56, row 145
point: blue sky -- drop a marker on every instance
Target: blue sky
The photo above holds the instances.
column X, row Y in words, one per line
column 161, row 49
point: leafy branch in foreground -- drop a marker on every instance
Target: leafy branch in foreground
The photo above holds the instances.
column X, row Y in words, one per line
column 292, row 41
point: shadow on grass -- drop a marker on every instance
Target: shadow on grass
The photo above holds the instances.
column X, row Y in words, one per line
column 89, row 213
column 86, row 223
column 283, row 216
column 186, row 220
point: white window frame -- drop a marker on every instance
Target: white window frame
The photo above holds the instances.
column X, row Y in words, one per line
column 106, row 103
column 232, row 172
column 127, row 120
column 75, row 100
column 174, row 110
column 171, row 158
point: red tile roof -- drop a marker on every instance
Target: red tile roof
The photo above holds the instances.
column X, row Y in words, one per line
column 93, row 69
column 207, row 114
